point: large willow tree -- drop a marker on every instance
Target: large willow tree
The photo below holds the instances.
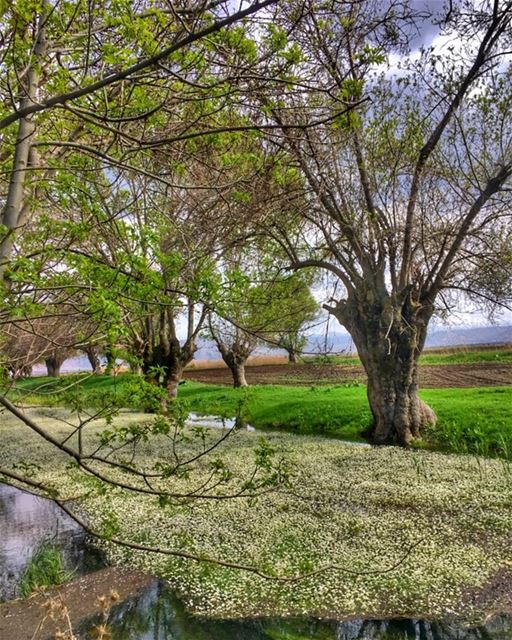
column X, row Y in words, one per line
column 408, row 193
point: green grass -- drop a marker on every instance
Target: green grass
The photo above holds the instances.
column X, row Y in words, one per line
column 474, row 420
column 456, row 356
column 45, row 569
column 336, row 411
column 468, row 357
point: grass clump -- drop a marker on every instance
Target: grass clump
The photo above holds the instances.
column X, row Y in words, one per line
column 471, row 421
column 45, row 569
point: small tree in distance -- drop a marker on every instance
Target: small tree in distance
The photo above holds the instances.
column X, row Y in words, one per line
column 235, row 346
column 261, row 305
column 298, row 314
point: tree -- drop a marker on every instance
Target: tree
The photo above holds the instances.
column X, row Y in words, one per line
column 244, row 308
column 54, row 362
column 150, row 262
column 92, row 352
column 409, row 189
column 105, row 81
column 297, row 314
column 235, row 346
column 85, row 73
column 52, row 336
column 257, row 302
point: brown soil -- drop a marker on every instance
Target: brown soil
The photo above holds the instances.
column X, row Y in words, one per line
column 482, row 374
column 31, row 619
column 494, row 597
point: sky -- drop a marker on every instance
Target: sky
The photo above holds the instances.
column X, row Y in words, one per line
column 467, row 315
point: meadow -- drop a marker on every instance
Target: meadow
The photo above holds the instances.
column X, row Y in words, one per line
column 383, row 532
column 470, row 420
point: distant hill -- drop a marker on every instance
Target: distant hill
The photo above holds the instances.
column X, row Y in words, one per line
column 342, row 342
column 469, row 336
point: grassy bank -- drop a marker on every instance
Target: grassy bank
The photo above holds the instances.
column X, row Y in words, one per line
column 463, row 355
column 46, row 568
column 477, row 420
column 443, row 522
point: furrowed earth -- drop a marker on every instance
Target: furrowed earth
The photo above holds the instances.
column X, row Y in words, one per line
column 473, row 374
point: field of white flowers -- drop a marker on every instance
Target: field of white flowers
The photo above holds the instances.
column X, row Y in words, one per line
column 357, row 507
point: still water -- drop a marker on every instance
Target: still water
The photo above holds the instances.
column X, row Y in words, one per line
column 26, row 522
column 155, row 613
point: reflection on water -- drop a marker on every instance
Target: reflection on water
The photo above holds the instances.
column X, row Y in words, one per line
column 216, row 422
column 26, row 522
column 155, row 614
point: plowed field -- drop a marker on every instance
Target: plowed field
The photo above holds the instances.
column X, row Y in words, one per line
column 482, row 374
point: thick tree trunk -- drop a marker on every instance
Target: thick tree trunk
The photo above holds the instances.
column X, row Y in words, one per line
column 94, row 360
column 292, row 356
column 166, row 374
column 236, row 363
column 389, row 336
column 163, row 357
column 238, row 373
column 53, row 364
column 398, row 412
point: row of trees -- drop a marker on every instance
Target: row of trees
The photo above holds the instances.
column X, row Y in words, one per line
column 149, row 157
column 275, row 314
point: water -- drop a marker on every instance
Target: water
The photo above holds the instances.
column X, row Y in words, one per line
column 26, row 522
column 216, row 422
column 154, row 613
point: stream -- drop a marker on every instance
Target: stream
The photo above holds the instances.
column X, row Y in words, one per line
column 155, row 613
column 216, row 422
column 27, row 522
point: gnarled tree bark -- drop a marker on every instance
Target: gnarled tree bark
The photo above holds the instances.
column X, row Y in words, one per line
column 389, row 335
column 54, row 363
column 163, row 356
column 236, row 363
